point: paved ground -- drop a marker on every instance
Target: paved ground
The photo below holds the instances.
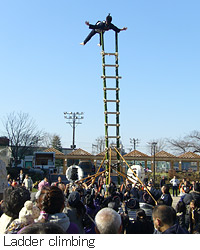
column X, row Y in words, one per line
column 175, row 201
column 33, row 196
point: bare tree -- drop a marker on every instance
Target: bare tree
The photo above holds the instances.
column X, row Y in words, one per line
column 160, row 144
column 22, row 134
column 179, row 146
column 189, row 142
column 99, row 146
column 194, row 139
column 46, row 140
column 121, row 147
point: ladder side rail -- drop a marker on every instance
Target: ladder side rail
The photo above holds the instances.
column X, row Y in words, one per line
column 105, row 106
column 117, row 103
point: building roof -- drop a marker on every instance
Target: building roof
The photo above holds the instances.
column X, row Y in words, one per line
column 136, row 153
column 57, row 152
column 164, row 154
column 189, row 155
column 79, row 152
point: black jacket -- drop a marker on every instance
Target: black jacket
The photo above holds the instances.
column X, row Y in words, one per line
column 192, row 196
column 103, row 26
column 167, row 199
column 175, row 229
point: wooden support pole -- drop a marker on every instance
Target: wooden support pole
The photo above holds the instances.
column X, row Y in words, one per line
column 136, row 176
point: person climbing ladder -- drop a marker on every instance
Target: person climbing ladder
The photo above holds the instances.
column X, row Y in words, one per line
column 101, row 27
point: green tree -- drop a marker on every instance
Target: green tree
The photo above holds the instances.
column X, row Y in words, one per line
column 56, row 143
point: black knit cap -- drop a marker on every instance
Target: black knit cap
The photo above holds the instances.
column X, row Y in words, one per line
column 73, row 199
column 109, row 18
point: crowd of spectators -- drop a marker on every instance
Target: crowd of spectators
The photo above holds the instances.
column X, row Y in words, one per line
column 91, row 207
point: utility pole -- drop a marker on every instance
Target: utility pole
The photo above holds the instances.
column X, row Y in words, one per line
column 134, row 142
column 73, row 120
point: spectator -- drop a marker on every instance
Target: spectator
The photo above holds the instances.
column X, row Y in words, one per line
column 52, row 202
column 180, row 213
column 194, row 218
column 131, row 207
column 193, row 195
column 181, row 187
column 26, row 216
column 28, row 183
column 162, row 181
column 13, row 201
column 14, row 183
column 175, row 183
column 127, row 192
column 75, row 210
column 91, row 211
column 43, row 183
column 59, row 181
column 9, row 180
column 21, row 177
column 1, row 212
column 60, row 184
column 141, row 225
column 166, row 196
column 108, row 221
column 164, row 220
column 101, row 184
column 42, row 228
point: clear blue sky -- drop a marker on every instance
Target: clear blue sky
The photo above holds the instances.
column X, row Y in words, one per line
column 44, row 71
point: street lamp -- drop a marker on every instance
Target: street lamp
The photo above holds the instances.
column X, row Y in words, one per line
column 73, row 119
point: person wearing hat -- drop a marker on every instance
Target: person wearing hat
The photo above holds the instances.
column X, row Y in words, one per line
column 131, row 206
column 101, row 27
column 75, row 210
column 13, row 201
column 27, row 215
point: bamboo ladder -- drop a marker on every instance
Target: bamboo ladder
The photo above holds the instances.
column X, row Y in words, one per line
column 107, row 112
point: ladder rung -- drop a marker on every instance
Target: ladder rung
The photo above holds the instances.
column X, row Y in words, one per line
column 110, row 65
column 109, row 54
column 111, row 100
column 111, row 113
column 112, row 124
column 117, row 89
column 112, row 136
column 112, row 77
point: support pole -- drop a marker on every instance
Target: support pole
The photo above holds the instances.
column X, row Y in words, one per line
column 136, row 175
